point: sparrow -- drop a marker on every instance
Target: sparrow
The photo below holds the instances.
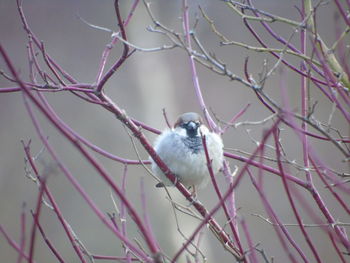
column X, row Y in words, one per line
column 181, row 149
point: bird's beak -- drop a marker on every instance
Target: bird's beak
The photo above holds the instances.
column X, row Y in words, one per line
column 192, row 129
column 192, row 126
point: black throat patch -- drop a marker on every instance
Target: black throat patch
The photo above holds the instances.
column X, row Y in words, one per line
column 193, row 143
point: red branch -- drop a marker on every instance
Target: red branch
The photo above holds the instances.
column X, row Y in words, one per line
column 124, row 55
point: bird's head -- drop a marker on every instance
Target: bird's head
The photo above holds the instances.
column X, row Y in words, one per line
column 190, row 124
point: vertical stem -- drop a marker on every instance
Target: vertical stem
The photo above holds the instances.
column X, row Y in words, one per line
column 124, row 55
column 123, row 212
column 306, row 10
column 278, row 225
column 186, row 26
column 109, row 46
column 289, row 193
column 12, row 242
column 23, row 234
column 36, row 217
column 230, row 211
column 231, row 206
column 252, row 254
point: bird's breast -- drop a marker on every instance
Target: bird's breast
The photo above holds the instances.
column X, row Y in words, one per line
column 194, row 144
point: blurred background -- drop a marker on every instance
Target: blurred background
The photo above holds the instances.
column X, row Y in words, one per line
column 143, row 86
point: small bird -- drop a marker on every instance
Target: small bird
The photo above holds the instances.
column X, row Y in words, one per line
column 181, row 149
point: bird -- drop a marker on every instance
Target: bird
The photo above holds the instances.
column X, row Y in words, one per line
column 181, row 149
